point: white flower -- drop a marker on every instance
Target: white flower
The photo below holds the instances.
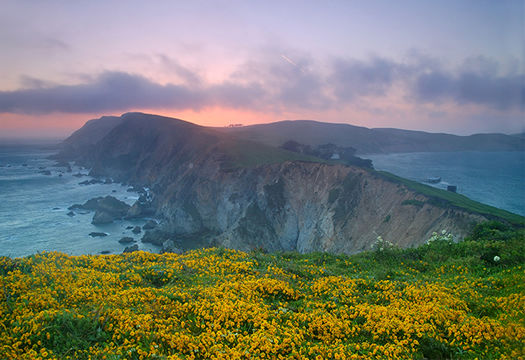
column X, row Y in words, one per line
column 497, row 258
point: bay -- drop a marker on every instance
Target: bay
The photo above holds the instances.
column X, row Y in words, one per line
column 493, row 178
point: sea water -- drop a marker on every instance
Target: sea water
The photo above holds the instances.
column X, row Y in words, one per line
column 493, row 178
column 34, row 207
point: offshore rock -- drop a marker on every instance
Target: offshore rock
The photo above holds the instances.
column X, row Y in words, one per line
column 126, row 240
column 150, row 224
column 103, row 217
column 170, row 247
column 97, row 234
column 131, row 248
column 156, row 237
column 107, row 209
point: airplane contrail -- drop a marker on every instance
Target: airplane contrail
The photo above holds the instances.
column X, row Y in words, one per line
column 289, row 60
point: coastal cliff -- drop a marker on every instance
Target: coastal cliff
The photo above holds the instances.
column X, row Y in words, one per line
column 305, row 207
column 216, row 189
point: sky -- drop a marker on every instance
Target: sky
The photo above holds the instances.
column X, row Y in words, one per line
column 439, row 66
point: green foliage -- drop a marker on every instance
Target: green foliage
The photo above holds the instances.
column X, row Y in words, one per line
column 434, row 349
column 70, row 332
column 413, row 202
column 492, row 230
column 248, row 154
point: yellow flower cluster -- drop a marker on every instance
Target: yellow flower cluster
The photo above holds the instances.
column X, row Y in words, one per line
column 224, row 304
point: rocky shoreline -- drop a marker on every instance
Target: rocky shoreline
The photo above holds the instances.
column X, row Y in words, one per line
column 108, row 209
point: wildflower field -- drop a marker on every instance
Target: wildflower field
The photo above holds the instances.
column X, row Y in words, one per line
column 442, row 300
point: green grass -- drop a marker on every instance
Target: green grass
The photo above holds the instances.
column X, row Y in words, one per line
column 444, row 198
column 249, row 154
column 476, row 254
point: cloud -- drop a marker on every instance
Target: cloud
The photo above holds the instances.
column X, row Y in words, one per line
column 352, row 78
column 285, row 85
column 111, row 91
column 55, row 44
column 469, row 87
column 173, row 66
column 29, row 82
column 272, row 84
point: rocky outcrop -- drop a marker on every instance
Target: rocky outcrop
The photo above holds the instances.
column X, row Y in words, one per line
column 132, row 248
column 97, row 234
column 156, row 237
column 91, row 182
column 102, row 217
column 150, row 224
column 107, row 209
column 126, row 240
column 141, row 208
column 169, row 246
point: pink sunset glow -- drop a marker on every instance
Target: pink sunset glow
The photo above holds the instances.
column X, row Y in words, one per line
column 218, row 63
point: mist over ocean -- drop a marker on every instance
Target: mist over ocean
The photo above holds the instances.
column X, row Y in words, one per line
column 33, row 207
column 493, row 178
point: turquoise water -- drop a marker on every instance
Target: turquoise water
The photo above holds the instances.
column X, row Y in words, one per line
column 494, row 178
column 33, row 208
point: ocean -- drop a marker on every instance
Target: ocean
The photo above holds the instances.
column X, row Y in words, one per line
column 33, row 207
column 493, row 178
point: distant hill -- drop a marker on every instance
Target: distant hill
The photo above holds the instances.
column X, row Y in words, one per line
column 91, row 132
column 370, row 141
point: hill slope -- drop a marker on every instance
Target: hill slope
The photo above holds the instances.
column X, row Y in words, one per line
column 441, row 301
column 369, row 141
column 222, row 190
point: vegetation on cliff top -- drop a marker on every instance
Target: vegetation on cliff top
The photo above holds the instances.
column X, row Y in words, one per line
column 444, row 198
column 250, row 154
column 442, row 300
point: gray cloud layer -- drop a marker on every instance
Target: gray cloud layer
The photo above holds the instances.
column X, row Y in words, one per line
column 107, row 92
column 502, row 92
column 274, row 86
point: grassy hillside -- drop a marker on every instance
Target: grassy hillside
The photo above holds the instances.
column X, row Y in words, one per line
column 250, row 154
column 447, row 198
column 440, row 301
column 370, row 141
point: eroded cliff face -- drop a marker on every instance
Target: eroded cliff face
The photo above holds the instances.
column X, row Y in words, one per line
column 214, row 189
column 301, row 206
